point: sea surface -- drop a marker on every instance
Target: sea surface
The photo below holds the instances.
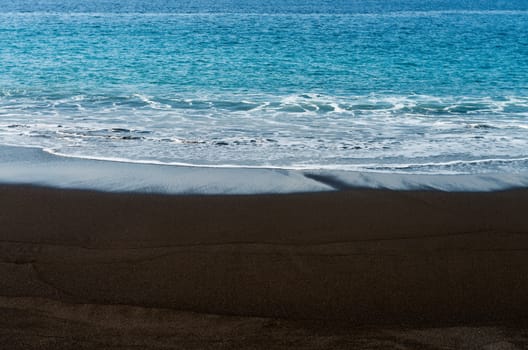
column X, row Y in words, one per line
column 394, row 86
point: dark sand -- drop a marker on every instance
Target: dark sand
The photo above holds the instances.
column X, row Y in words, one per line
column 354, row 269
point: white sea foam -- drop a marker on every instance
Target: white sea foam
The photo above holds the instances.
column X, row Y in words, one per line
column 405, row 134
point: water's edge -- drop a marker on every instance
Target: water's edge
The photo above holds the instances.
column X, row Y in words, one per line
column 34, row 166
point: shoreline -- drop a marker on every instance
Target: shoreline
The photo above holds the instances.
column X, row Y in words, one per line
column 34, row 166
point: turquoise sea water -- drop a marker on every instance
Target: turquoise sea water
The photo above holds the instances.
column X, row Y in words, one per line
column 392, row 86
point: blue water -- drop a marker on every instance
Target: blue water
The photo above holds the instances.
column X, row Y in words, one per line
column 390, row 86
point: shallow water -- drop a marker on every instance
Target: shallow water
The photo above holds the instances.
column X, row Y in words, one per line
column 410, row 87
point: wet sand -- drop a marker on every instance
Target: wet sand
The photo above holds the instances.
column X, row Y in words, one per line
column 237, row 271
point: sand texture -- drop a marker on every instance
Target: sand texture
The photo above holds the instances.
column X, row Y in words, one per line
column 226, row 271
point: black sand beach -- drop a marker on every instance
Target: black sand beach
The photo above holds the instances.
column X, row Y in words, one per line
column 350, row 269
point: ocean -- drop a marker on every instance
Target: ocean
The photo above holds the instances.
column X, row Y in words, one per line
column 412, row 87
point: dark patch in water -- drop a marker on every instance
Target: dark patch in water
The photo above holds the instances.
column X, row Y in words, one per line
column 221, row 143
column 479, row 126
column 120, row 130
